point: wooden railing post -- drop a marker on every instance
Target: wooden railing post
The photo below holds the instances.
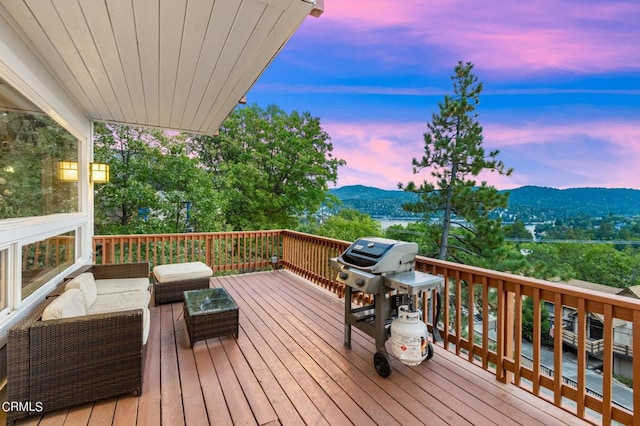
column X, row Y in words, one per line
column 506, row 318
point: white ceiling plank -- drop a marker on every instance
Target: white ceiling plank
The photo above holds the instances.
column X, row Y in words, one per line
column 123, row 24
column 74, row 21
column 267, row 39
column 97, row 17
column 172, row 16
column 48, row 18
column 240, row 69
column 247, row 18
column 223, row 16
column 280, row 4
column 23, row 68
column 40, row 43
column 195, row 28
column 147, row 15
column 180, row 64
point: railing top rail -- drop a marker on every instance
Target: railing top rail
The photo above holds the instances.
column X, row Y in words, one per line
column 316, row 237
column 189, row 234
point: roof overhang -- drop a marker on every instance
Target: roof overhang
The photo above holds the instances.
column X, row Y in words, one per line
column 173, row 64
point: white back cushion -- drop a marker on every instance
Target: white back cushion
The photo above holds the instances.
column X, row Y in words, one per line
column 68, row 304
column 87, row 284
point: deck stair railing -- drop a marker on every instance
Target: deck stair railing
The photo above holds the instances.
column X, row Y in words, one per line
column 469, row 292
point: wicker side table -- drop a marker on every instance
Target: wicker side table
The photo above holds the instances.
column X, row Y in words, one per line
column 208, row 313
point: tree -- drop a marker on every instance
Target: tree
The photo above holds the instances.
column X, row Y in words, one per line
column 349, row 225
column 271, row 167
column 454, row 154
column 155, row 186
column 517, row 230
column 31, row 146
column 527, row 321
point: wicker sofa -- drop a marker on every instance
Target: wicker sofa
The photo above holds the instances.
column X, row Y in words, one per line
column 61, row 362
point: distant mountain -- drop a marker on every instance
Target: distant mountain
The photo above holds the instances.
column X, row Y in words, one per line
column 593, row 202
column 530, row 203
column 375, row 201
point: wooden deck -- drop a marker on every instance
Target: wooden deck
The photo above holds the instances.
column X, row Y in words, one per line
column 289, row 367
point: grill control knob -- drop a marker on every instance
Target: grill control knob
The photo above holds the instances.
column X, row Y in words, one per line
column 343, row 275
column 360, row 282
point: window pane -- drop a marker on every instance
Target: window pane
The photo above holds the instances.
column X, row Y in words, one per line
column 33, row 147
column 45, row 259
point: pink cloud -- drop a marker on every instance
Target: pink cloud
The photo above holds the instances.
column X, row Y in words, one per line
column 502, row 36
column 377, row 154
column 593, row 154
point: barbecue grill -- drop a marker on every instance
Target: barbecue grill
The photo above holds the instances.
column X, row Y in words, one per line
column 385, row 269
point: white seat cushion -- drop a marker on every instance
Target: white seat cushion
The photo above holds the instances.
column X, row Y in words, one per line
column 68, row 304
column 117, row 302
column 121, row 285
column 146, row 325
column 87, row 284
column 181, row 271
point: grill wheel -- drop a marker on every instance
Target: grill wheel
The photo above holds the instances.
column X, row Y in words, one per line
column 382, row 364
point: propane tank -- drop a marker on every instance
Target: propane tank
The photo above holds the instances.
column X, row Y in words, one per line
column 409, row 339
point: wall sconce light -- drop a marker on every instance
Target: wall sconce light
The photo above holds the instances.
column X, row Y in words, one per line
column 99, row 173
column 68, row 171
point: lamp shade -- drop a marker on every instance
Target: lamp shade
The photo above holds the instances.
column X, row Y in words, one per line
column 99, row 172
column 68, row 171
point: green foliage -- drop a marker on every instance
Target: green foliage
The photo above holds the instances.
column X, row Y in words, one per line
column 455, row 156
column 603, row 264
column 597, row 263
column 527, row 321
column 427, row 236
column 347, row 225
column 548, row 261
column 269, row 166
column 627, row 381
column 31, row 145
column 517, row 230
column 153, row 181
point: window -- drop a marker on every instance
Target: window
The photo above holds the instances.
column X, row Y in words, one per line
column 4, row 280
column 33, row 151
column 43, row 260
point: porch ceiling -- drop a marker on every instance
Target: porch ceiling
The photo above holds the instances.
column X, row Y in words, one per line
column 162, row 63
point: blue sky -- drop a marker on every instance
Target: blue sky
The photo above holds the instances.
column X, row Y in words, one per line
column 561, row 98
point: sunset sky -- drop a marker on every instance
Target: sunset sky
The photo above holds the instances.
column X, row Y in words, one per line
column 561, row 97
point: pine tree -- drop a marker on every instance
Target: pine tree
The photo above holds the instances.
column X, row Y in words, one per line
column 455, row 157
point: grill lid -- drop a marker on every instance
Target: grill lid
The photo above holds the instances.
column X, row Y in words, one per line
column 379, row 255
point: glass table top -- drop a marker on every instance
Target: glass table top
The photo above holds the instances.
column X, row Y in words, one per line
column 208, row 300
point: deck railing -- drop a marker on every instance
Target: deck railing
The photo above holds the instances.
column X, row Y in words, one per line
column 468, row 291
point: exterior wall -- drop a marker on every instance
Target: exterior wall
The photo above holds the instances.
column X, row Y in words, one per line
column 623, row 366
column 23, row 71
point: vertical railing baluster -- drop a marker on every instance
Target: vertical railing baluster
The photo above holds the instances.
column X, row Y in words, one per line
column 537, row 334
column 485, row 322
column 517, row 335
column 607, row 370
column 471, row 314
column 557, row 354
column 582, row 357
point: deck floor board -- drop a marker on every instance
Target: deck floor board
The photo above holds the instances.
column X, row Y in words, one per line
column 289, row 366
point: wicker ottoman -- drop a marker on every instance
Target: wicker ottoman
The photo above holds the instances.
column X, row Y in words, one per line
column 172, row 280
column 210, row 313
